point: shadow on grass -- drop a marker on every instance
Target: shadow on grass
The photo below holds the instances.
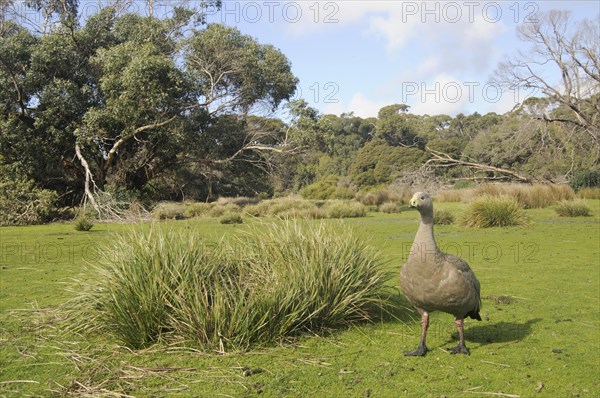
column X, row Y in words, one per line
column 500, row 332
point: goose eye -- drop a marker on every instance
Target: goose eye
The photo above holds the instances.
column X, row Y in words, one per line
column 422, row 197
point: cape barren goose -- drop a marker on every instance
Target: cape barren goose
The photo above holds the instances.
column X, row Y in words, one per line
column 435, row 281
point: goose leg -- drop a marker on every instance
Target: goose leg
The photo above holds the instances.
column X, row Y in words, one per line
column 461, row 348
column 422, row 348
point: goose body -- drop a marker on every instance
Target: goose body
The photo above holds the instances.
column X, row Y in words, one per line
column 435, row 281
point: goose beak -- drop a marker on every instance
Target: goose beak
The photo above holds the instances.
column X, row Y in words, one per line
column 413, row 203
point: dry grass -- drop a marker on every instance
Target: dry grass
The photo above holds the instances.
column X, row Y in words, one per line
column 530, row 196
column 589, row 193
column 454, row 195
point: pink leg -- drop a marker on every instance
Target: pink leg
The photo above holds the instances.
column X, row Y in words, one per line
column 422, row 348
column 461, row 348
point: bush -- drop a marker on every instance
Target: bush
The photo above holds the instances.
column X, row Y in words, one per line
column 169, row 211
column 390, row 207
column 322, row 189
column 585, row 179
column 495, row 211
column 231, row 218
column 576, row 208
column 272, row 283
column 345, row 209
column 443, row 217
column 83, row 222
column 21, row 201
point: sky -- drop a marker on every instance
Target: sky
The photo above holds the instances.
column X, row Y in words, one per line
column 438, row 57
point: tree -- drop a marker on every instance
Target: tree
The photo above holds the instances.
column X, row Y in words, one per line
column 563, row 66
column 126, row 99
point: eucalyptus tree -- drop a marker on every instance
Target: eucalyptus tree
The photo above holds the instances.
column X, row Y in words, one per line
column 124, row 99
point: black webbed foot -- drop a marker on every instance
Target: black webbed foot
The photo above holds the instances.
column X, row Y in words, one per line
column 419, row 352
column 460, row 349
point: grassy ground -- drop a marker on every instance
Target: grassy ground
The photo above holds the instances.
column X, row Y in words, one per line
column 540, row 335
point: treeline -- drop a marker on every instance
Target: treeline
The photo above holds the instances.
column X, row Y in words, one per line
column 124, row 108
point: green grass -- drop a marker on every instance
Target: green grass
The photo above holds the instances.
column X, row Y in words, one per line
column 540, row 288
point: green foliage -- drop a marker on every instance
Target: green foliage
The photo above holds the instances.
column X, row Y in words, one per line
column 585, row 179
column 274, row 282
column 443, row 217
column 231, row 218
column 83, row 222
column 379, row 163
column 495, row 211
column 21, row 201
column 576, row 208
column 327, row 188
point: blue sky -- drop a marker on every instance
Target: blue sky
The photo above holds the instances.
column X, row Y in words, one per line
column 436, row 56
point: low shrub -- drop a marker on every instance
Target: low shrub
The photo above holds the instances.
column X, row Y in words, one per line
column 169, row 211
column 274, row 282
column 495, row 211
column 443, row 217
column 576, row 208
column 390, row 207
column 585, row 179
column 231, row 218
column 22, row 202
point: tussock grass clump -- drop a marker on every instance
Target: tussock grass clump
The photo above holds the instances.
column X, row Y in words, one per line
column 198, row 209
column 169, row 211
column 495, row 211
column 220, row 210
column 376, row 198
column 390, row 208
column 84, row 222
column 443, row 217
column 345, row 209
column 231, row 218
column 576, row 208
column 271, row 283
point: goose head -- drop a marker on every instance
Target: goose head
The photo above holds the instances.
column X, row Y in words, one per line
column 422, row 202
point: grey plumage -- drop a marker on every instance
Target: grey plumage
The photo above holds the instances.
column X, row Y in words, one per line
column 435, row 281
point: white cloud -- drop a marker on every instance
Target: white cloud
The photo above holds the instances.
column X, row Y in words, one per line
column 360, row 104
